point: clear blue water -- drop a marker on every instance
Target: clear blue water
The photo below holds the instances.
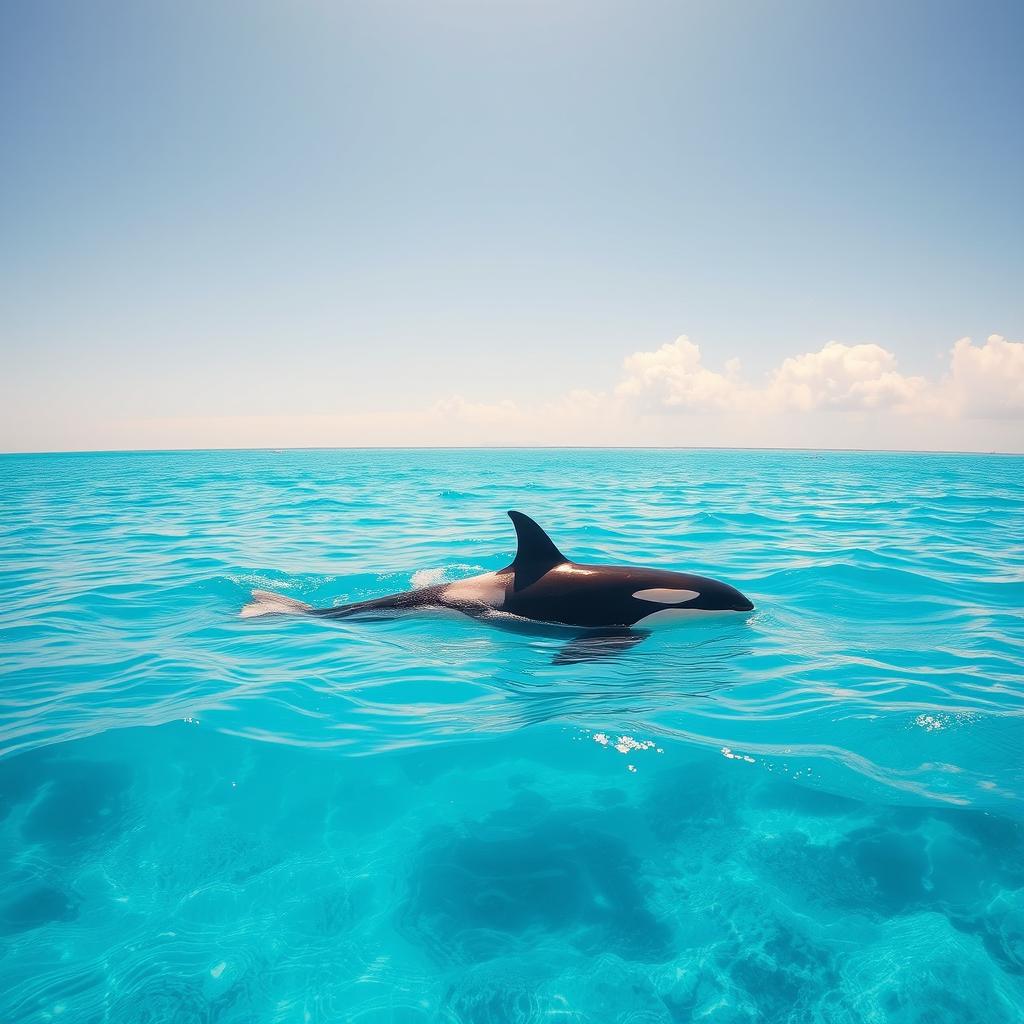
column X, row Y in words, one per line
column 813, row 814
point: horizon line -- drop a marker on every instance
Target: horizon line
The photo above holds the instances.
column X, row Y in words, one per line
column 501, row 447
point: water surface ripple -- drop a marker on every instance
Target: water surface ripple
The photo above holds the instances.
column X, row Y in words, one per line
column 810, row 814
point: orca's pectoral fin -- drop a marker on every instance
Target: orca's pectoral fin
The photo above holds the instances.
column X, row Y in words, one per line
column 597, row 644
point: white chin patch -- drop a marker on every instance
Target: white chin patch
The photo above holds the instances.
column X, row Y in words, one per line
column 664, row 596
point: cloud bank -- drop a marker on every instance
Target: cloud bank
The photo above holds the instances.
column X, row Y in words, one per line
column 840, row 396
column 843, row 396
column 982, row 381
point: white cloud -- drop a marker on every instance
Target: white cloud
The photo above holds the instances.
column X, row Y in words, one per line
column 674, row 377
column 842, row 376
column 987, row 380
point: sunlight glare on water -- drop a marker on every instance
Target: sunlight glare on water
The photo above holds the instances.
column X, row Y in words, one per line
column 811, row 814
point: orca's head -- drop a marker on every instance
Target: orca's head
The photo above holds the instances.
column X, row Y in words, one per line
column 720, row 597
column 712, row 595
column 695, row 593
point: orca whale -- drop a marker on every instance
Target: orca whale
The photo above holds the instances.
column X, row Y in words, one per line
column 609, row 607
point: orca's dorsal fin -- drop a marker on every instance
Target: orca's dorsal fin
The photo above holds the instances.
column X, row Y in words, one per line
column 535, row 554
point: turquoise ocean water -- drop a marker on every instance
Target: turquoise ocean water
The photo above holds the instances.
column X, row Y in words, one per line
column 811, row 814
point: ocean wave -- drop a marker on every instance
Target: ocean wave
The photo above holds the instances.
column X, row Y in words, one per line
column 886, row 588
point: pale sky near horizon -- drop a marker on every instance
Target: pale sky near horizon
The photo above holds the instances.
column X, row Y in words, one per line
column 311, row 223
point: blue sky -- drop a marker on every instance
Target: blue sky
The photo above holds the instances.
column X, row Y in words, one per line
column 315, row 223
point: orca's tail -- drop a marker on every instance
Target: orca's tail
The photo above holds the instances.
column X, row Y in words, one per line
column 265, row 602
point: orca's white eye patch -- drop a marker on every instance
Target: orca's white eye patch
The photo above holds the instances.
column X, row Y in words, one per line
column 662, row 595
